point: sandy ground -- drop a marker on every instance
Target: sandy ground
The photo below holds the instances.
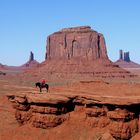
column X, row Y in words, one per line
column 10, row 129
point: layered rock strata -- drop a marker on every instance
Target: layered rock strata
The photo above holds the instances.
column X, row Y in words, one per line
column 72, row 53
column 78, row 42
column 119, row 115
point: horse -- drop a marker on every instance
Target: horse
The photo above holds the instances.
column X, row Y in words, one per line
column 38, row 84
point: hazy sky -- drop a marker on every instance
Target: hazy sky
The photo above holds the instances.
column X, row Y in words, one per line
column 25, row 25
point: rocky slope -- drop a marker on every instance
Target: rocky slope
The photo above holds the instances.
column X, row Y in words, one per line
column 77, row 53
column 120, row 115
column 125, row 64
column 47, row 111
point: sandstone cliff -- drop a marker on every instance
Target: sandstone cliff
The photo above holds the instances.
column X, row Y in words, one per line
column 78, row 42
column 120, row 116
column 78, row 52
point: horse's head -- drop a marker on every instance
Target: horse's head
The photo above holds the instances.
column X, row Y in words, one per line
column 37, row 84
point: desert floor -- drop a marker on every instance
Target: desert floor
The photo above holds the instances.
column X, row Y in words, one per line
column 70, row 130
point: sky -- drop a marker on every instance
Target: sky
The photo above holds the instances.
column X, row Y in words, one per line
column 25, row 25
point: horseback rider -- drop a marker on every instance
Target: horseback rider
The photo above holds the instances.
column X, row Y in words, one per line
column 43, row 81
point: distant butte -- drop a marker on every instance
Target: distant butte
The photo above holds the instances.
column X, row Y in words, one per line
column 78, row 42
column 124, row 61
column 31, row 62
column 79, row 52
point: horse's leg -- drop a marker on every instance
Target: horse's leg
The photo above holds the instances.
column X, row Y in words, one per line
column 47, row 89
column 40, row 89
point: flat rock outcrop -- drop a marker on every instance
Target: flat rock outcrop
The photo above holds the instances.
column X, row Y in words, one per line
column 78, row 42
column 119, row 115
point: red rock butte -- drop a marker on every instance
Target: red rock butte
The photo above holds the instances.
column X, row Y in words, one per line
column 79, row 52
column 78, row 42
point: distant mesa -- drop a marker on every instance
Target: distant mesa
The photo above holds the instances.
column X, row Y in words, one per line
column 125, row 61
column 74, row 43
column 75, row 53
column 79, row 52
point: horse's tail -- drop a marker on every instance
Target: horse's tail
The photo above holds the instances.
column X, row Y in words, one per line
column 36, row 84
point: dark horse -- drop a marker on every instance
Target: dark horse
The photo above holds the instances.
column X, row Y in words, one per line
column 38, row 84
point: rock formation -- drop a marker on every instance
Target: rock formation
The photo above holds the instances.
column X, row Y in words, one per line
column 126, row 57
column 119, row 115
column 125, row 61
column 77, row 53
column 31, row 56
column 78, row 42
column 31, row 62
column 121, row 55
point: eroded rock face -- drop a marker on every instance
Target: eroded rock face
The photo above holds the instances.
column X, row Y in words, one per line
column 79, row 53
column 45, row 111
column 123, row 124
column 78, row 42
